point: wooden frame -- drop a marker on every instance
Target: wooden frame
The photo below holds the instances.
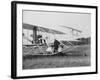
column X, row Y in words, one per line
column 14, row 50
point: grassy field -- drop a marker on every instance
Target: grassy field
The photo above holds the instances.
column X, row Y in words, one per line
column 76, row 56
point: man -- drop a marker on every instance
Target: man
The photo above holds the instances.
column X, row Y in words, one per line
column 56, row 45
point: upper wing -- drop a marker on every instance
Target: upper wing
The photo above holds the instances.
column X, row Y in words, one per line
column 31, row 27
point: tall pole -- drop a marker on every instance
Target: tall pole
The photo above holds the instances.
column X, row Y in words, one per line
column 35, row 35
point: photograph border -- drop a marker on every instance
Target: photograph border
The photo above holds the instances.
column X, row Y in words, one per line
column 14, row 38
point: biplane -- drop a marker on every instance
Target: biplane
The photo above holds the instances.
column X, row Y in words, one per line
column 38, row 39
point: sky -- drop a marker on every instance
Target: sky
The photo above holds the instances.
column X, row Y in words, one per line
column 54, row 20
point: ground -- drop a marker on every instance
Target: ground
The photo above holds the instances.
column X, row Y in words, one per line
column 76, row 56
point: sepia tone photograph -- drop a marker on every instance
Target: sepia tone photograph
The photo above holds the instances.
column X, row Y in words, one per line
column 55, row 39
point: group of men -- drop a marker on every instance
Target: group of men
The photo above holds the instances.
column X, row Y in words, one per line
column 55, row 48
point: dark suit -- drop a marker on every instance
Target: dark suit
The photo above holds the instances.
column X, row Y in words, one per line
column 56, row 45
